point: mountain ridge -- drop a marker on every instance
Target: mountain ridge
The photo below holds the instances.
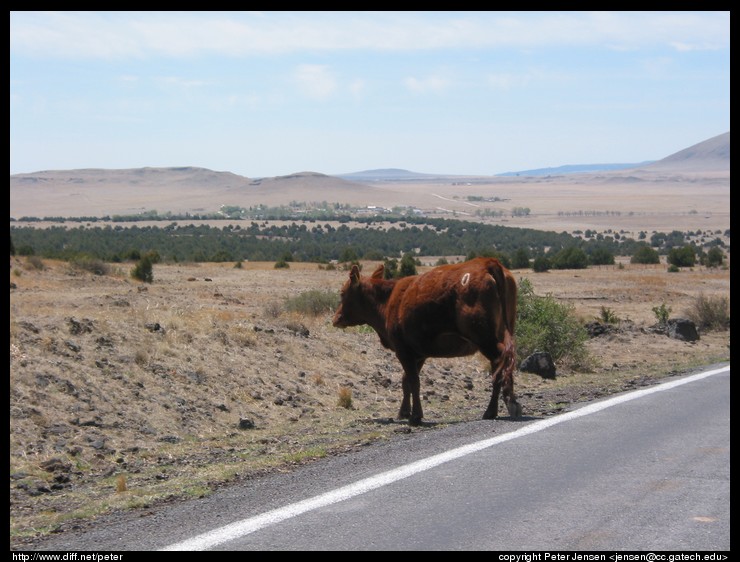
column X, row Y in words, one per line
column 196, row 190
column 715, row 151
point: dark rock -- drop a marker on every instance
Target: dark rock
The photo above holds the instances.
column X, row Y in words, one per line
column 540, row 363
column 80, row 327
column 73, row 346
column 245, row 423
column 28, row 326
column 298, row 330
column 55, row 464
column 597, row 328
column 104, row 341
column 98, row 444
column 682, row 329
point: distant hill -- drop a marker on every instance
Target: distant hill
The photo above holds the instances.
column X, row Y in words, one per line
column 711, row 155
column 573, row 169
column 189, row 189
column 100, row 192
column 152, row 177
column 388, row 174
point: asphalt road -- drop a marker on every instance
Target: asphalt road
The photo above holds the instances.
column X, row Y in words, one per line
column 647, row 470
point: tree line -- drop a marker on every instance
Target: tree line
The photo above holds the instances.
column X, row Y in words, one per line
column 313, row 241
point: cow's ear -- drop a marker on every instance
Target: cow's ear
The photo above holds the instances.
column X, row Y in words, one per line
column 378, row 273
column 354, row 275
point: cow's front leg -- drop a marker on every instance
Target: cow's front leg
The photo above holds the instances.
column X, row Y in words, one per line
column 404, row 412
column 411, row 403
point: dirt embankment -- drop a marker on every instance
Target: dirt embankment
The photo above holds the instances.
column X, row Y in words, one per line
column 123, row 395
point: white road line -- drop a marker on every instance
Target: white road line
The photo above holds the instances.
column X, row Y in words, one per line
column 252, row 524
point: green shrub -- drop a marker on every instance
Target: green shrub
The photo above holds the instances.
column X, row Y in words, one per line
column 714, row 257
column 570, row 258
column 390, row 268
column 710, row 313
column 608, row 316
column 645, row 254
column 35, row 262
column 543, row 324
column 313, row 302
column 520, row 259
column 601, row 256
column 682, row 257
column 541, row 264
column 662, row 313
column 143, row 270
column 407, row 266
column 87, row 263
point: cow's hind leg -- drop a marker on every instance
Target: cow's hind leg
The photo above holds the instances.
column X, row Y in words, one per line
column 502, row 373
column 404, row 412
column 492, row 410
column 507, row 386
column 411, row 403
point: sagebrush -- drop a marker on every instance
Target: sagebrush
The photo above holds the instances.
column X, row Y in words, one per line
column 710, row 313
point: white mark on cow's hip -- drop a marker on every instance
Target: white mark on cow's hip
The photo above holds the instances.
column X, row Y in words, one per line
column 465, row 279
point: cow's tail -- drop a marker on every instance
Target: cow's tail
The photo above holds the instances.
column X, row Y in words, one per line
column 507, row 294
column 509, row 354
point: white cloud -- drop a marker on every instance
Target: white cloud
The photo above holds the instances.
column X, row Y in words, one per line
column 507, row 81
column 429, row 84
column 178, row 34
column 178, row 82
column 357, row 88
column 315, row 80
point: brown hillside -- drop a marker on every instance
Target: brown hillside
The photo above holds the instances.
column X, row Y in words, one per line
column 712, row 155
column 689, row 190
column 124, row 396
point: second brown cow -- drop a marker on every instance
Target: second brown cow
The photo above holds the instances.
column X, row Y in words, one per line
column 450, row 311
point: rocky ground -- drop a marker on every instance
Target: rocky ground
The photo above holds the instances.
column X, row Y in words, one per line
column 123, row 394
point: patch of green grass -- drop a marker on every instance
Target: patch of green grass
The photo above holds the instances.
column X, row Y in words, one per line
column 313, row 303
column 306, row 454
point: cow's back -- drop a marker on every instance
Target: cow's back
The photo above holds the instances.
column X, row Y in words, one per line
column 453, row 309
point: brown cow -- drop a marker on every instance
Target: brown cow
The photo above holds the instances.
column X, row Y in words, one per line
column 450, row 311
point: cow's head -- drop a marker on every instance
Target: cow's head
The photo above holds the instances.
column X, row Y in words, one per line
column 354, row 300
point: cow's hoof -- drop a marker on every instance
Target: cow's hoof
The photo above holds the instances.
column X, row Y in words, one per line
column 415, row 420
column 489, row 415
column 404, row 415
column 515, row 409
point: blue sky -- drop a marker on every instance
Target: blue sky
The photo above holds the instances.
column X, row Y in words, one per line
column 273, row 93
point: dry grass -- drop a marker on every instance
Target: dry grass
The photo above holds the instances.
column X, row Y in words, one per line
column 122, row 397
